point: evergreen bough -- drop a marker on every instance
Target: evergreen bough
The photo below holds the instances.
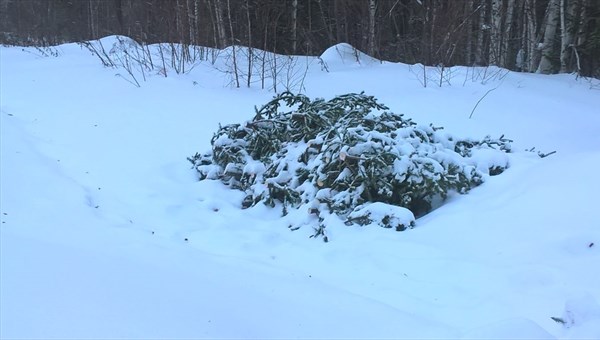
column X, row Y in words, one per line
column 338, row 156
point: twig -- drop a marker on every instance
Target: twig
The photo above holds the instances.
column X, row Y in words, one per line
column 544, row 155
column 480, row 99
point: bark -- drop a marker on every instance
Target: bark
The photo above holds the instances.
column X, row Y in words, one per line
column 495, row 33
column 532, row 40
column 294, row 26
column 340, row 21
column 547, row 46
column 469, row 35
column 215, row 34
column 508, row 22
column 310, row 29
column 326, row 24
column 372, row 12
column 233, row 47
column 178, row 22
column 190, row 22
column 480, row 48
column 91, row 20
column 567, row 20
column 250, row 51
column 220, row 23
column 119, row 10
column 581, row 34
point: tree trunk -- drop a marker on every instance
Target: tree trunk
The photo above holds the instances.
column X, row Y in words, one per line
column 250, row 52
column 567, row 20
column 196, row 19
column 581, row 39
column 532, row 39
column 294, row 26
column 547, row 46
column 469, row 32
column 235, row 66
column 496, row 33
column 215, row 34
column 480, row 50
column 522, row 55
column 190, row 23
column 179, row 32
column 372, row 12
column 508, row 21
column 326, row 24
column 220, row 23
column 91, row 19
column 432, row 33
column 339, row 15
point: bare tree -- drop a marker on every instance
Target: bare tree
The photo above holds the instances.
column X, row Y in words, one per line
column 517, row 34
column 250, row 51
column 233, row 45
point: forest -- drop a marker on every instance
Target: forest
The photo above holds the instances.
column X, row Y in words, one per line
column 543, row 36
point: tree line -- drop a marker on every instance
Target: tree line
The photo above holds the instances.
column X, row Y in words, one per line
column 545, row 36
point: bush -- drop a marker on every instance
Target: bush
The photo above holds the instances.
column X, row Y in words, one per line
column 338, row 156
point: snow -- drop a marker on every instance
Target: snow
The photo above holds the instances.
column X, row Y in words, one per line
column 378, row 211
column 583, row 313
column 486, row 159
column 506, row 329
column 343, row 56
column 107, row 233
column 254, row 168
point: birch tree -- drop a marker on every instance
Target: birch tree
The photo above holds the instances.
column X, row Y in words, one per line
column 567, row 28
column 547, row 46
column 581, row 36
column 495, row 33
column 540, row 35
column 531, row 41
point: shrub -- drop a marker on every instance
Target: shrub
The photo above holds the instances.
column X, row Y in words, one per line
column 338, row 156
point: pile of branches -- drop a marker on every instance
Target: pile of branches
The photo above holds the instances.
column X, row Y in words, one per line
column 337, row 156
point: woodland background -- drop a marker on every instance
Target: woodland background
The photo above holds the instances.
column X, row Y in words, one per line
column 544, row 36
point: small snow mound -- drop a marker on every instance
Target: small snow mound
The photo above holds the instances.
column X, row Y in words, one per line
column 344, row 54
column 490, row 160
column 384, row 215
column 229, row 49
column 111, row 40
column 254, row 168
column 517, row 328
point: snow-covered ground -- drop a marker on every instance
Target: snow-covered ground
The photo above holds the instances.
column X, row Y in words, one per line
column 106, row 231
